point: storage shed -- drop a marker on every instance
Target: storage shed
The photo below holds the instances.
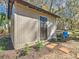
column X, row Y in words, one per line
column 30, row 23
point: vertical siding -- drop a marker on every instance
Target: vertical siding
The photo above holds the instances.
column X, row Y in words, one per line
column 26, row 25
column 26, row 28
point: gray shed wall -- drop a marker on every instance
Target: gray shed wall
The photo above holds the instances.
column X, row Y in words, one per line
column 27, row 26
column 26, row 29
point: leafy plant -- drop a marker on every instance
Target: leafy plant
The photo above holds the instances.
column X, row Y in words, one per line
column 39, row 44
column 2, row 19
column 3, row 23
column 26, row 49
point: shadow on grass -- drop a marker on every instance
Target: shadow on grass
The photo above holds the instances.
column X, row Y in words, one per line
column 6, row 43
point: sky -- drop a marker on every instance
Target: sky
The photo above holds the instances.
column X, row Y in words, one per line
column 2, row 8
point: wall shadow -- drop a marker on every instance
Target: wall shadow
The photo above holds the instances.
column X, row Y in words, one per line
column 6, row 43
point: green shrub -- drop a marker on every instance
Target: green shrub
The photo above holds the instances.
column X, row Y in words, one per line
column 39, row 44
column 26, row 49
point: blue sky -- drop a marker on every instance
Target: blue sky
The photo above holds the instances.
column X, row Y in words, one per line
column 2, row 8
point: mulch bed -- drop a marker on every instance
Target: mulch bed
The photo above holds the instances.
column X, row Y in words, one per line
column 34, row 54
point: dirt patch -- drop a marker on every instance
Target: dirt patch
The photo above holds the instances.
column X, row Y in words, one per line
column 33, row 54
column 47, row 53
column 55, row 53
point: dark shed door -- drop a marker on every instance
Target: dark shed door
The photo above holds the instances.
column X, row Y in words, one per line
column 43, row 27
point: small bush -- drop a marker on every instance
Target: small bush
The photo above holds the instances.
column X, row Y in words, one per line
column 26, row 49
column 39, row 45
column 22, row 52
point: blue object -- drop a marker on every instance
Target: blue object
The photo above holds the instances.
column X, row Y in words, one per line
column 8, row 8
column 9, row 11
column 2, row 8
column 65, row 35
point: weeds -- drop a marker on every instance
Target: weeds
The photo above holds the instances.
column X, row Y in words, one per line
column 39, row 45
column 26, row 49
column 22, row 52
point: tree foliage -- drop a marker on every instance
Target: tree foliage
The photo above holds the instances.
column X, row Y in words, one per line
column 67, row 9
